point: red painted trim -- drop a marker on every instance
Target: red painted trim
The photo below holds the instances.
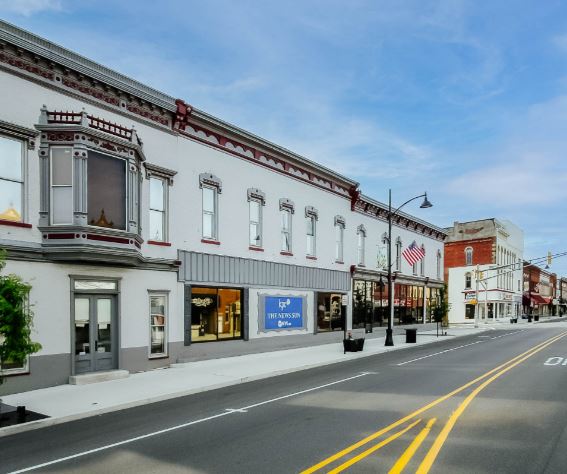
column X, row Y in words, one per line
column 287, row 254
column 311, row 257
column 157, row 242
column 265, row 165
column 256, row 249
column 60, row 236
column 106, row 238
column 15, row 224
column 207, row 241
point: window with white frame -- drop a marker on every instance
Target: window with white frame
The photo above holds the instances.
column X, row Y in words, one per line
column 158, row 209
column 211, row 187
column 160, row 179
column 339, row 238
column 468, row 256
column 256, row 200
column 361, row 247
column 286, row 212
column 11, row 179
column 414, row 268
column 439, row 264
column 468, row 280
column 311, row 230
column 422, row 262
column 158, row 324
column 9, row 367
column 399, row 255
column 61, row 185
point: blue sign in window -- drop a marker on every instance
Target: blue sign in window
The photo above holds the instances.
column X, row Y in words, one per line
column 283, row 312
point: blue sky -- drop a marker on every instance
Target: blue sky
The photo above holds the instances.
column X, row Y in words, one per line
column 464, row 99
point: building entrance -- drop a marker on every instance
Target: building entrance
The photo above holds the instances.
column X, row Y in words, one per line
column 95, row 333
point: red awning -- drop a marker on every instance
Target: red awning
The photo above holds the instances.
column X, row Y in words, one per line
column 538, row 299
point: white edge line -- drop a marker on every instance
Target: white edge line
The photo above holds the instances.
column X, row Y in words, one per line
column 183, row 425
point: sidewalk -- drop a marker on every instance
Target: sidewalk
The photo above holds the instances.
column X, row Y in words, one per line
column 70, row 402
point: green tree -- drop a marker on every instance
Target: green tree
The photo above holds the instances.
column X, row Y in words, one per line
column 16, row 318
column 441, row 307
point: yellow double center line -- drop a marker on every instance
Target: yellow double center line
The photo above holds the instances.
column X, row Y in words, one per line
column 434, row 451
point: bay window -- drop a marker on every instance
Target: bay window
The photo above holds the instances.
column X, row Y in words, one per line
column 61, row 185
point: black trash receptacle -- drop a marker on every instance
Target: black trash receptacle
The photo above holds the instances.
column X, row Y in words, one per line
column 411, row 335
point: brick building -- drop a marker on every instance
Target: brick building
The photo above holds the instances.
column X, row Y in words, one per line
column 540, row 290
column 494, row 248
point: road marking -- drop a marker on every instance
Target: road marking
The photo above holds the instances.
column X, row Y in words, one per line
column 433, row 452
column 438, row 353
column 417, row 412
column 228, row 411
column 373, row 449
column 412, row 448
column 455, row 348
column 555, row 361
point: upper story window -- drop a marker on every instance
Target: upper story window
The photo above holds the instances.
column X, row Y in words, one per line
column 311, row 216
column 399, row 255
column 361, row 246
column 211, row 187
column 256, row 200
column 89, row 175
column 439, row 264
column 287, row 209
column 468, row 256
column 422, row 262
column 467, row 280
column 159, row 179
column 106, row 191
column 339, row 238
column 414, row 268
column 11, row 179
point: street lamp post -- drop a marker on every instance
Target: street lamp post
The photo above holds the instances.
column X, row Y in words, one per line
column 425, row 204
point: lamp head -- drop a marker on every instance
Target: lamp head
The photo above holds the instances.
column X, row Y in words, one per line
column 425, row 204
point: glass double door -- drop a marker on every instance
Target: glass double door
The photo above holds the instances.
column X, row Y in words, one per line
column 95, row 333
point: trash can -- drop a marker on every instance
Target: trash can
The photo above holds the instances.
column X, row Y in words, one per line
column 353, row 345
column 368, row 328
column 536, row 317
column 411, row 336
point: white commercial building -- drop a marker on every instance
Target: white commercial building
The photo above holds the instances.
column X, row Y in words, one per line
column 483, row 264
column 146, row 226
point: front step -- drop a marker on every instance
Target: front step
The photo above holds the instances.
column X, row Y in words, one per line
column 95, row 377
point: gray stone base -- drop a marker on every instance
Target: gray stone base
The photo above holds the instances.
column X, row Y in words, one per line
column 45, row 371
column 95, row 377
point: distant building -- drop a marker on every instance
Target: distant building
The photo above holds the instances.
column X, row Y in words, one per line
column 562, row 295
column 495, row 249
column 540, row 290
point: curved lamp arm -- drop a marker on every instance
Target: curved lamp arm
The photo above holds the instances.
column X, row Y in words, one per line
column 408, row 201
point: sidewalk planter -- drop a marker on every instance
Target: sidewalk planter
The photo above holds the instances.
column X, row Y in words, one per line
column 513, row 320
column 536, row 317
column 411, row 336
column 353, row 345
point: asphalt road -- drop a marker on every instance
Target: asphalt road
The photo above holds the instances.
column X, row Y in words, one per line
column 466, row 405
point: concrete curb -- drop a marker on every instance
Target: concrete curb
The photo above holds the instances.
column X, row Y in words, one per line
column 45, row 422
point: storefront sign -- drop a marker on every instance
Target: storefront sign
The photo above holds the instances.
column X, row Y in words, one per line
column 279, row 313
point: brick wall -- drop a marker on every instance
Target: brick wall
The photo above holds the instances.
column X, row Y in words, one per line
column 483, row 253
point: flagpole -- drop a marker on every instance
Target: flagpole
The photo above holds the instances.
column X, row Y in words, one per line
column 425, row 204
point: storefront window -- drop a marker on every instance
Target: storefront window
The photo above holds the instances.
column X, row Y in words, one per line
column 157, row 325
column 329, row 312
column 215, row 314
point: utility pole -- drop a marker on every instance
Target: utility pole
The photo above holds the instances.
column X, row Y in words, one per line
column 477, row 274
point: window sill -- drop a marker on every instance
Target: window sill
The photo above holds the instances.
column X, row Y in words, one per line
column 311, row 257
column 256, row 249
column 361, row 265
column 15, row 224
column 158, row 242
column 339, row 262
column 209, row 241
column 286, row 254
column 158, row 356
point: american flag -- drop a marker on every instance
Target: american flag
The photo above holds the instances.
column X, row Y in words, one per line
column 413, row 253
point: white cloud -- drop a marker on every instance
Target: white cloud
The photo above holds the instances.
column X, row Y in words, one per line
column 29, row 7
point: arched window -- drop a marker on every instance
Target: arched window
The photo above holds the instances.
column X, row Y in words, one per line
column 468, row 256
column 467, row 280
column 361, row 231
column 399, row 255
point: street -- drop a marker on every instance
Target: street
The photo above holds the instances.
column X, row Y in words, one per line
column 489, row 402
